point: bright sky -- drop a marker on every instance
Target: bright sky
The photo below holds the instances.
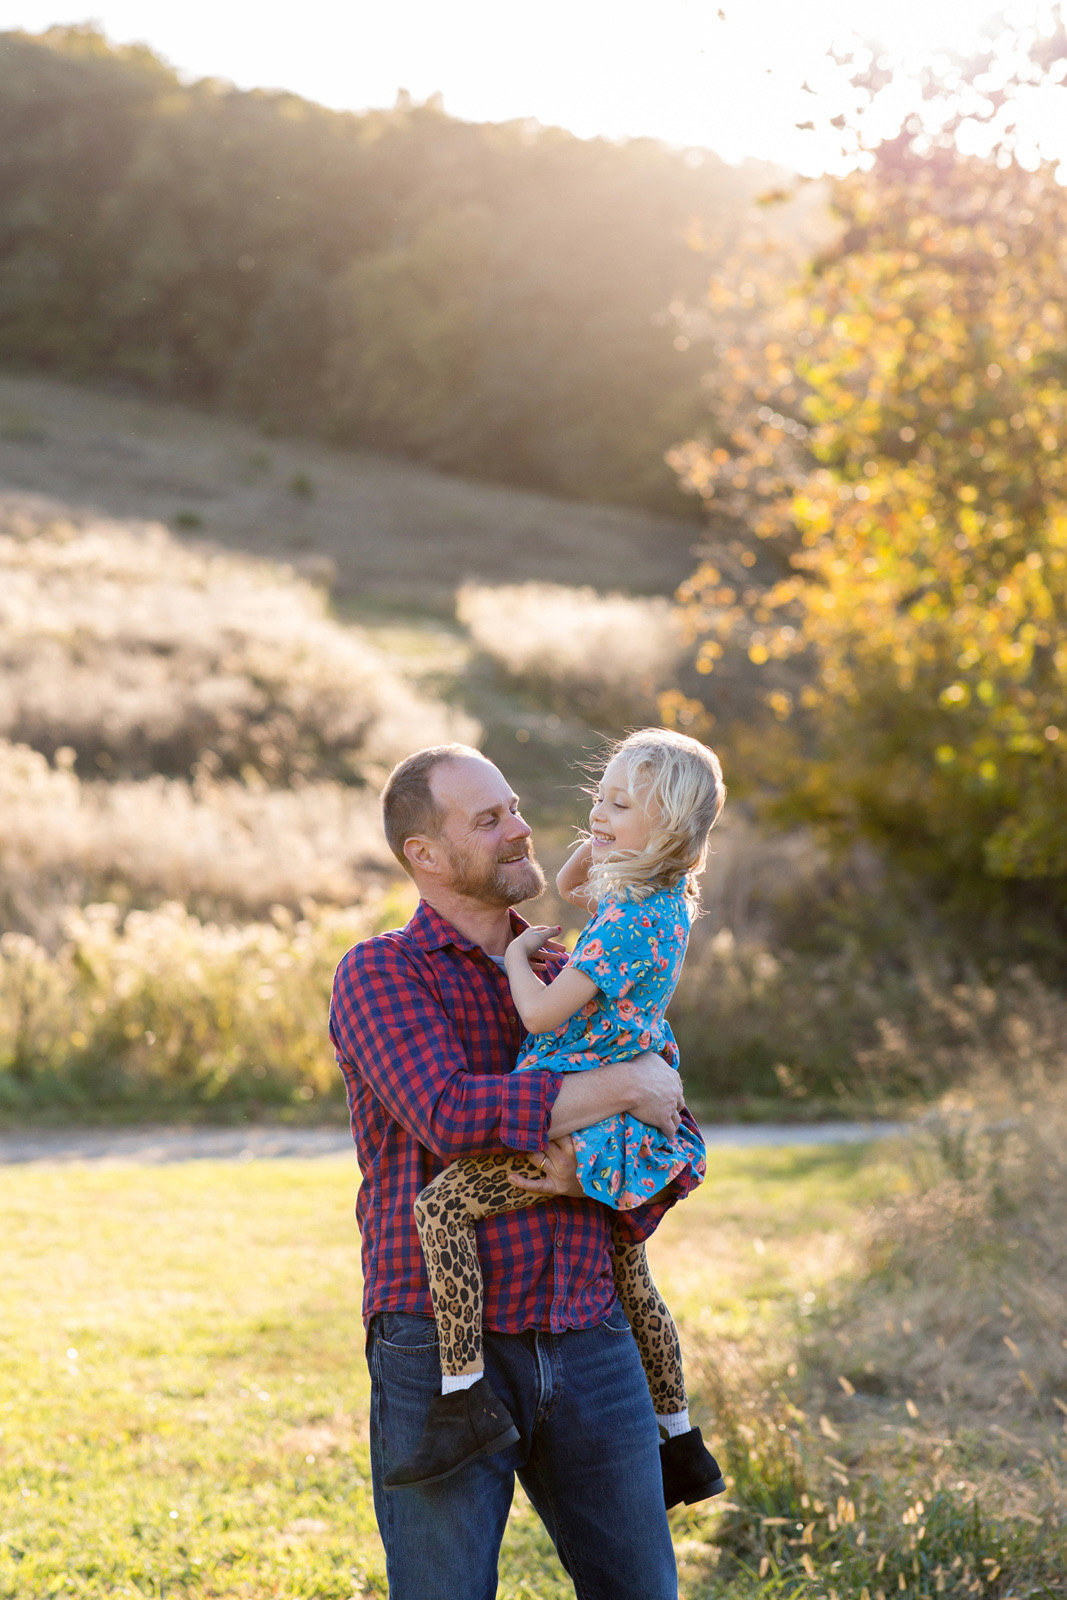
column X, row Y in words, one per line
column 725, row 74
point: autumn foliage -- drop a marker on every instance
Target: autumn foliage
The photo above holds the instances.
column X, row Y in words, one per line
column 899, row 439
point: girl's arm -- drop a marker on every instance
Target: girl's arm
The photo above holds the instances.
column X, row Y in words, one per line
column 572, row 877
column 543, row 1005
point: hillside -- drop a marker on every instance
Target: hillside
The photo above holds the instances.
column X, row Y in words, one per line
column 504, row 301
column 388, row 531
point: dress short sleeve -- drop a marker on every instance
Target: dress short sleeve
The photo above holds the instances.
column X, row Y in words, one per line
column 616, row 948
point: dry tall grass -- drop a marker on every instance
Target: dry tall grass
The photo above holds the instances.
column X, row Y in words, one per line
column 909, row 1439
column 602, row 657
column 218, row 846
column 143, row 655
column 973, row 1261
column 158, row 1010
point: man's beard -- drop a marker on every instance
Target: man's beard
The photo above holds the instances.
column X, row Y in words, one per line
column 492, row 883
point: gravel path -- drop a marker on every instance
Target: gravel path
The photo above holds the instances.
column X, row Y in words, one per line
column 152, row 1146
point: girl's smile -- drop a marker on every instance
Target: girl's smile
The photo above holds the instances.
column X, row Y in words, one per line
column 621, row 819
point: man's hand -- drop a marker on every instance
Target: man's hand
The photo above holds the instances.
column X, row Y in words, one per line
column 659, row 1098
column 557, row 1171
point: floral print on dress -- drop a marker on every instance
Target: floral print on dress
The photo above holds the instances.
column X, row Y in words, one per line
column 633, row 951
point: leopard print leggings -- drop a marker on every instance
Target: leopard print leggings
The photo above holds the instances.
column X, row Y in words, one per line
column 480, row 1186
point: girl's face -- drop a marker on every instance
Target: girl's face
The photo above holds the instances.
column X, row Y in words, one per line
column 621, row 820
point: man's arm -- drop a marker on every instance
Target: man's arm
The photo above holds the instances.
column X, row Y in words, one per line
column 558, row 1175
column 646, row 1087
column 392, row 1034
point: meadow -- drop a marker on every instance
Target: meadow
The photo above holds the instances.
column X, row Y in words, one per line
column 390, row 532
column 191, row 743
column 183, row 1399
column 192, row 735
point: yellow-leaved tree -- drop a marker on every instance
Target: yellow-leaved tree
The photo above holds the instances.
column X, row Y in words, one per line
column 900, row 439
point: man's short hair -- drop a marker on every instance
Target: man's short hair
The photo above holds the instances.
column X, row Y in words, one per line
column 408, row 805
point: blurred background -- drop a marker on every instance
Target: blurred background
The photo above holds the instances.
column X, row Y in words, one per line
column 376, row 376
column 326, row 433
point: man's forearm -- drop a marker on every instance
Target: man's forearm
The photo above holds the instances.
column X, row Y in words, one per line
column 645, row 1087
column 588, row 1097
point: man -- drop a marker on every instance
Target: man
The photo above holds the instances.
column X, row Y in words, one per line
column 426, row 1035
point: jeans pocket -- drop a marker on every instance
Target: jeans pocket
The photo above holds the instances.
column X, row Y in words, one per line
column 403, row 1333
column 616, row 1320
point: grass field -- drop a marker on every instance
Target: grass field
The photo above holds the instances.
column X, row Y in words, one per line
column 183, row 1399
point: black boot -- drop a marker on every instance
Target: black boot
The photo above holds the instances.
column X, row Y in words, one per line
column 690, row 1471
column 461, row 1425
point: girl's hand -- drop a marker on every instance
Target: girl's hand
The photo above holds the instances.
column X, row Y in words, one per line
column 572, row 876
column 554, row 1171
column 529, row 942
column 580, row 858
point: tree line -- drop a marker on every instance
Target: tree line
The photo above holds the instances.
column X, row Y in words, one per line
column 494, row 299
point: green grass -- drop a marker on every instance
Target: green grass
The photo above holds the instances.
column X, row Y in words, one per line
column 209, row 1438
column 183, row 1398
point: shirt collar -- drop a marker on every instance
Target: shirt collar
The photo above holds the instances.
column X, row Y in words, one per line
column 431, row 931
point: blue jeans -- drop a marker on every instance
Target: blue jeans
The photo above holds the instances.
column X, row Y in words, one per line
column 588, row 1458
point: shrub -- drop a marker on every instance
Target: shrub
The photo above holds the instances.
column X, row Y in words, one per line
column 813, row 977
column 753, row 1021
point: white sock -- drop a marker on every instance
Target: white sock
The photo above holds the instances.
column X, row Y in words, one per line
column 450, row 1382
column 674, row 1424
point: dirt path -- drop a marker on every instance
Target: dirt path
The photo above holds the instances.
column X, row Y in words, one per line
column 152, row 1146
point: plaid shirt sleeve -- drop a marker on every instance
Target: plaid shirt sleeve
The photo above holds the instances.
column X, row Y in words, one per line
column 387, row 1020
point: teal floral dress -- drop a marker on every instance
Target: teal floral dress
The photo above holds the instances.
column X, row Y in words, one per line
column 633, row 951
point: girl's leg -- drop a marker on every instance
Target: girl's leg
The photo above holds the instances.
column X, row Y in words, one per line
column 445, row 1214
column 655, row 1332
column 466, row 1419
column 690, row 1471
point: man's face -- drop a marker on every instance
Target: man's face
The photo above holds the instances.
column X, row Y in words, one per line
column 486, row 841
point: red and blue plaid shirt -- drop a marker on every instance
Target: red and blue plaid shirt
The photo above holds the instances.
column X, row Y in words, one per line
column 426, row 1035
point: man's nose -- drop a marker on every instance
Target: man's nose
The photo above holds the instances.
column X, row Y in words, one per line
column 520, row 828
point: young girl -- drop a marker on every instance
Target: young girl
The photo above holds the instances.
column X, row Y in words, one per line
column 659, row 797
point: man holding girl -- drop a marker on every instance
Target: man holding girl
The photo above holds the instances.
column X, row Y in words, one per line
column 427, row 1035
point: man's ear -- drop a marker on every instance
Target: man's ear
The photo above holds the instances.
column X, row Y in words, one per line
column 423, row 853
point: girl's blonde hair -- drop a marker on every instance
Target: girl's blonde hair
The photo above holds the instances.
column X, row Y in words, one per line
column 683, row 779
